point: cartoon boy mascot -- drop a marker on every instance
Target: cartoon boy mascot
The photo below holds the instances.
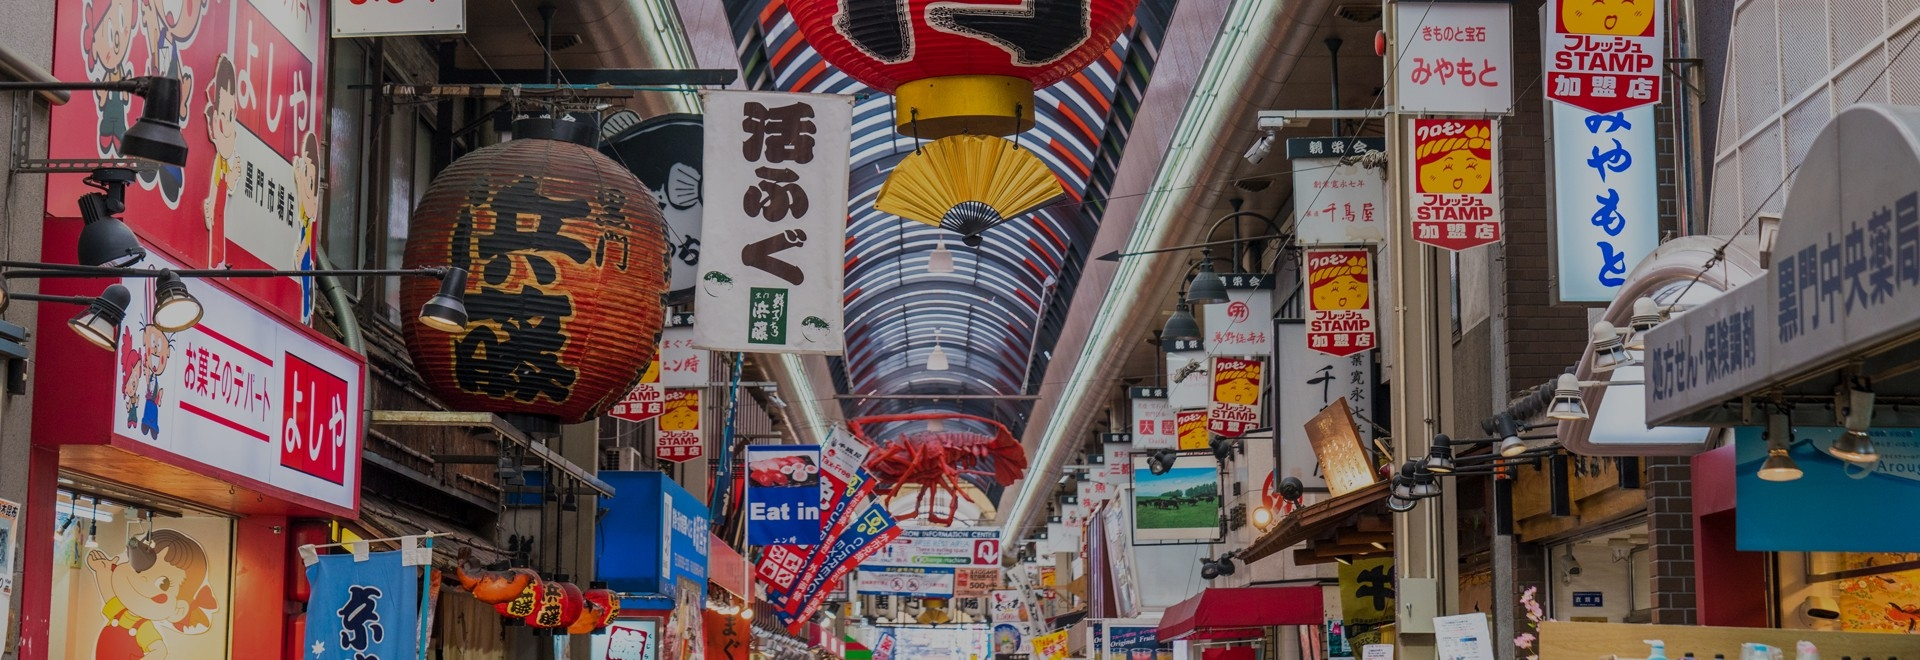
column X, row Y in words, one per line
column 162, row 579
column 107, row 35
column 159, row 348
column 133, row 369
column 223, row 128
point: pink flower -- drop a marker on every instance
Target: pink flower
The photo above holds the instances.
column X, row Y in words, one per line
column 1525, row 640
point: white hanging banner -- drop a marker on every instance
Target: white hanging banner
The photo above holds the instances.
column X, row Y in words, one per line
column 1188, row 385
column 681, row 364
column 1454, row 57
column 1306, row 381
column 771, row 274
column 360, row 18
column 1243, row 325
column 1606, row 189
column 1153, row 426
column 1340, row 201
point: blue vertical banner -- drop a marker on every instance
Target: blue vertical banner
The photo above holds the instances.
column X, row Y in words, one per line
column 783, row 495
column 1606, row 192
column 363, row 610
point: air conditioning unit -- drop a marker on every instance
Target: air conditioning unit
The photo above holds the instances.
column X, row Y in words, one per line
column 621, row 458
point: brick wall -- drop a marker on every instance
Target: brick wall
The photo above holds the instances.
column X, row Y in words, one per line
column 1543, row 338
column 1670, row 535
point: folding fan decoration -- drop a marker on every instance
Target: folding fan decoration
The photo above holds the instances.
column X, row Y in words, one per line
column 968, row 184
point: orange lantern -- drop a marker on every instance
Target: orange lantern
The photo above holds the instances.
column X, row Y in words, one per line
column 524, row 603
column 609, row 602
column 567, row 256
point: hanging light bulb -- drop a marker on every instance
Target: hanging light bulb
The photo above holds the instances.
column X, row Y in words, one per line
column 1854, row 446
column 937, row 360
column 1779, row 466
column 936, row 425
column 1567, row 404
column 941, row 260
column 1646, row 314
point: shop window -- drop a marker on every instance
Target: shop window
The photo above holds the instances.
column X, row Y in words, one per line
column 128, row 581
column 1850, row 591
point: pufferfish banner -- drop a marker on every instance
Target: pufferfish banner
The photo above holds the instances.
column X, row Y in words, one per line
column 1237, row 383
column 1339, row 300
column 1456, row 205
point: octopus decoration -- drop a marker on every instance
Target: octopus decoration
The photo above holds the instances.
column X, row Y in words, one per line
column 937, row 461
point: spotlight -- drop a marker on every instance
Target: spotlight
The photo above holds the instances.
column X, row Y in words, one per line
column 1206, row 288
column 105, row 240
column 1420, row 482
column 1509, row 430
column 508, row 469
column 1440, row 455
column 446, row 311
column 1223, row 447
column 1854, row 446
column 174, row 308
column 1262, row 517
column 1779, row 466
column 941, row 260
column 1291, row 489
column 1608, row 348
column 568, row 503
column 1398, row 504
column 1215, row 568
column 1161, row 461
column 1181, row 325
column 1258, row 152
column 156, row 136
column 1567, row 403
column 100, row 323
column 1646, row 314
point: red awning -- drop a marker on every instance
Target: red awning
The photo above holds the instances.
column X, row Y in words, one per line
column 1240, row 613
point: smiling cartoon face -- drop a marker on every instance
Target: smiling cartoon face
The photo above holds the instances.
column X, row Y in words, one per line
column 158, row 350
column 112, row 35
column 1343, row 292
column 683, row 419
column 154, row 593
column 1459, row 171
column 1240, row 391
column 1627, row 18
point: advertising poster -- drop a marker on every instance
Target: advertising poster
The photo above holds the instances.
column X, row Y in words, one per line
column 1339, row 300
column 783, row 494
column 1237, row 386
column 358, row 609
column 1798, row 515
column 1606, row 199
column 1454, row 57
column 771, row 276
column 1186, row 374
column 1337, row 646
column 1118, row 467
column 1463, row 636
column 1131, row 642
column 1050, row 646
column 1366, row 598
column 1456, row 203
column 729, row 637
column 253, row 110
column 1120, row 560
column 1153, row 423
column 9, row 516
column 910, row 581
column 889, row 642
column 646, row 401
column 679, row 438
column 1193, row 429
column 666, row 153
column 1182, row 505
column 1008, row 638
column 1242, row 326
column 1306, row 381
column 1342, row 202
column 1605, row 57
column 1006, row 606
column 627, row 639
column 975, row 581
column 872, row 530
column 109, row 596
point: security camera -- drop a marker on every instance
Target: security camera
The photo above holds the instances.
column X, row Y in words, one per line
column 1258, row 152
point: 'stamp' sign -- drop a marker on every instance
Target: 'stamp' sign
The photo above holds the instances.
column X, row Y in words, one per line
column 1605, row 56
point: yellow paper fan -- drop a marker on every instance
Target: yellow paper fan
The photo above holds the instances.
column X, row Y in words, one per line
column 968, row 183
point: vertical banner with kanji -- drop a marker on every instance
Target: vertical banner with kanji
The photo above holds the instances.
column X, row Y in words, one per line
column 1605, row 56
column 1339, row 300
column 1456, row 205
column 1606, row 189
column 681, row 363
column 1153, row 423
column 1454, row 57
column 1340, row 199
column 771, row 275
column 364, row 606
column 1306, row 381
column 1193, row 428
column 679, row 438
column 1237, row 384
column 1243, row 325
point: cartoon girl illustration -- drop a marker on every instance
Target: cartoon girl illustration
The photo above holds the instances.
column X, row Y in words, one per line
column 1341, row 286
column 168, row 34
column 306, row 181
column 1626, row 18
column 107, row 33
column 159, row 347
column 224, row 129
column 162, row 579
column 1461, row 163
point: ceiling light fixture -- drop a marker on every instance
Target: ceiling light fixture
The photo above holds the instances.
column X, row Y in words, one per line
column 1440, row 455
column 105, row 240
column 1181, row 326
column 1510, row 443
column 100, row 323
column 1779, row 466
column 1206, row 288
column 1567, row 402
column 1856, row 414
column 1609, row 350
column 937, row 360
column 941, row 259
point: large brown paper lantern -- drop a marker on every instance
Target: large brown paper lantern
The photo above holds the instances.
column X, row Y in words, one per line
column 566, row 255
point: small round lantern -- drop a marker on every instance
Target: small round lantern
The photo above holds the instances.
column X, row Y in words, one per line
column 609, row 602
column 559, row 606
column 566, row 253
column 523, row 604
column 960, row 68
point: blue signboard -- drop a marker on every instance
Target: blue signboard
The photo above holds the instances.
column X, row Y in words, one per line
column 783, row 495
column 1834, row 506
column 1588, row 599
column 653, row 540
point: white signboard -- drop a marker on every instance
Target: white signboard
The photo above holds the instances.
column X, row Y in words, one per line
column 1188, row 385
column 1153, row 426
column 1463, row 637
column 940, row 547
column 242, row 393
column 1307, row 381
column 1454, row 57
column 377, row 18
column 1094, row 492
column 931, row 582
column 1006, row 606
column 1337, row 204
column 1118, row 462
column 1606, row 199
column 682, row 365
column 1243, row 325
column 772, row 267
column 627, row 639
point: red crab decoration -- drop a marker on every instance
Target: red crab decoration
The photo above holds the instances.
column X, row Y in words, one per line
column 936, row 460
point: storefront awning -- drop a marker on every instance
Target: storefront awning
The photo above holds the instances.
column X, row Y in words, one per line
column 1241, row 613
column 1310, row 522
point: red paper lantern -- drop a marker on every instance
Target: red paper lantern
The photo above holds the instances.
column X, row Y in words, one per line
column 961, row 69
column 526, row 602
column 609, row 602
column 559, row 606
column 566, row 253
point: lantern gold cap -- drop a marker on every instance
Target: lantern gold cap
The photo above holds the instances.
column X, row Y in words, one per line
column 945, row 106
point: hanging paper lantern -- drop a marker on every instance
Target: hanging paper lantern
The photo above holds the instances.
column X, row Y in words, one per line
column 558, row 606
column 524, row 603
column 967, row 184
column 959, row 68
column 494, row 587
column 566, row 253
column 609, row 602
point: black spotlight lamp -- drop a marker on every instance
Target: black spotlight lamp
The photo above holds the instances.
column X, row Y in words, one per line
column 446, row 311
column 1181, row 326
column 1216, row 568
column 156, row 136
column 1440, row 455
column 1206, row 289
column 106, row 240
column 100, row 323
column 174, row 307
column 1291, row 489
column 1161, row 461
column 1509, row 431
